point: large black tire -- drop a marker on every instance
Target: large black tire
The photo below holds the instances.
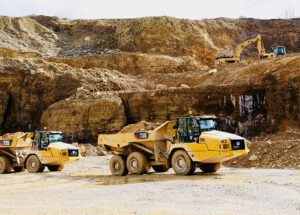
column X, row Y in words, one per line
column 19, row 168
column 33, row 164
column 160, row 168
column 210, row 167
column 117, row 165
column 54, row 168
column 182, row 163
column 137, row 163
column 5, row 165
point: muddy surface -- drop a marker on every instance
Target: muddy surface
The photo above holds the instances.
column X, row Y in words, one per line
column 86, row 187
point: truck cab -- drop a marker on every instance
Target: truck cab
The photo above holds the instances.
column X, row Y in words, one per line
column 199, row 139
column 189, row 128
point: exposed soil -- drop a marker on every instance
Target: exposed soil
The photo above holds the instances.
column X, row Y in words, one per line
column 280, row 150
column 12, row 135
column 140, row 126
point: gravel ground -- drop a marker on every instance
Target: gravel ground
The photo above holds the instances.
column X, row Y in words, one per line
column 86, row 187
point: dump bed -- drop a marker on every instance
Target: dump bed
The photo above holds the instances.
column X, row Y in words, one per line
column 113, row 142
column 16, row 140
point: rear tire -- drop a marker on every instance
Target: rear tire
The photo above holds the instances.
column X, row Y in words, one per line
column 117, row 165
column 182, row 163
column 54, row 168
column 19, row 168
column 137, row 163
column 160, row 168
column 210, row 167
column 5, row 165
column 33, row 164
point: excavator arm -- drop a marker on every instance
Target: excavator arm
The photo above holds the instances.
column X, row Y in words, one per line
column 248, row 41
column 239, row 51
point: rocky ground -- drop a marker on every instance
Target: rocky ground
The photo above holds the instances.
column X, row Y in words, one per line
column 280, row 150
column 86, row 187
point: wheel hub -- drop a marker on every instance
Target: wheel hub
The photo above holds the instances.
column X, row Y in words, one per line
column 33, row 164
column 134, row 164
column 117, row 166
column 180, row 162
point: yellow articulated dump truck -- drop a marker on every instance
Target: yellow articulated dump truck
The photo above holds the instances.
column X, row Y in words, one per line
column 184, row 144
column 34, row 151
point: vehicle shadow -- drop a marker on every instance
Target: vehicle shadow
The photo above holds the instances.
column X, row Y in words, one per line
column 146, row 178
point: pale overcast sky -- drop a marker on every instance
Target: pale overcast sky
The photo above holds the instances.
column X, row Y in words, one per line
column 192, row 9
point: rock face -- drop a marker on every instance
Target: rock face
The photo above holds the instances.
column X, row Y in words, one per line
column 29, row 85
column 257, row 98
column 4, row 99
column 96, row 76
column 26, row 35
column 135, row 63
column 87, row 118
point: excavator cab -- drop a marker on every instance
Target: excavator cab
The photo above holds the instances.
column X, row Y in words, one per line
column 279, row 50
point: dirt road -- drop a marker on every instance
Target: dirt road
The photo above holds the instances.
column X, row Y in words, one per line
column 86, row 187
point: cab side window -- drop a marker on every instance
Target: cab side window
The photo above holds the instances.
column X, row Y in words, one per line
column 188, row 129
column 37, row 138
column 44, row 141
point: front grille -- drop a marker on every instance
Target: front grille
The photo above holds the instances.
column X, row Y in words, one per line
column 73, row 152
column 237, row 144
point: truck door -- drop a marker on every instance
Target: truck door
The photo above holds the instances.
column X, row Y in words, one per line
column 37, row 140
column 188, row 129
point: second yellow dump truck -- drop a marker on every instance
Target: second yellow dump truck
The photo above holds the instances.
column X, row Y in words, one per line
column 183, row 144
column 34, row 151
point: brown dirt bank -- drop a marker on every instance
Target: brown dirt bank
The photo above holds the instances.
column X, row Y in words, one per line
column 280, row 150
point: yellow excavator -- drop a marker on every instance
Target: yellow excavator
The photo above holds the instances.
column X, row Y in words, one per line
column 279, row 50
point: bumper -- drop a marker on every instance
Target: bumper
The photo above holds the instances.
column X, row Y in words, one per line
column 216, row 156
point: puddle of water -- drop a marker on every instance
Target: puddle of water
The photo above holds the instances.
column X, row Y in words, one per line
column 133, row 179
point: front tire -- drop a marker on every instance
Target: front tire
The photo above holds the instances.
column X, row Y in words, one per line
column 210, row 167
column 137, row 163
column 33, row 164
column 5, row 165
column 117, row 165
column 54, row 168
column 182, row 163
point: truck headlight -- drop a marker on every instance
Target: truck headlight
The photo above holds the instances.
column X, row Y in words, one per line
column 223, row 141
column 73, row 152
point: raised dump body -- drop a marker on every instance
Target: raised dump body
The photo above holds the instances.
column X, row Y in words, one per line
column 184, row 144
column 34, row 151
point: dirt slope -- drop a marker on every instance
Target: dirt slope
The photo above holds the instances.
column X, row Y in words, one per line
column 280, row 150
column 203, row 40
column 26, row 35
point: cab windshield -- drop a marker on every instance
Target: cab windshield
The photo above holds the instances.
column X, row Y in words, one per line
column 207, row 124
column 55, row 138
column 280, row 50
